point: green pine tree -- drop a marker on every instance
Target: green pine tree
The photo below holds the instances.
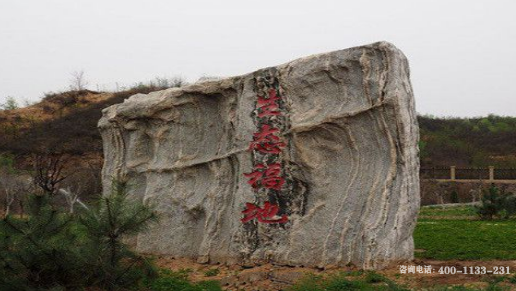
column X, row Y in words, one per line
column 40, row 251
column 53, row 249
column 496, row 203
column 115, row 218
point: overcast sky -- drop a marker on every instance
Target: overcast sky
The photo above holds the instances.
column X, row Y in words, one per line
column 461, row 52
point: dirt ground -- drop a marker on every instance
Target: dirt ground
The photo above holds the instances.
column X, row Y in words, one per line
column 274, row 278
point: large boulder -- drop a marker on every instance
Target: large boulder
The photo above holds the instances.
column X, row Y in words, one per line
column 314, row 162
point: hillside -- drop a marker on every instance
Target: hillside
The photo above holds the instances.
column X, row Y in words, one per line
column 468, row 142
column 66, row 122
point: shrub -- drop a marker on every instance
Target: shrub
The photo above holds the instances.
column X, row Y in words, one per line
column 373, row 277
column 212, row 272
column 10, row 104
column 114, row 218
column 454, row 197
column 40, row 251
column 53, row 249
column 496, row 204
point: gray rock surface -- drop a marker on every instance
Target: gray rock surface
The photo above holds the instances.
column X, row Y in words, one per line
column 350, row 163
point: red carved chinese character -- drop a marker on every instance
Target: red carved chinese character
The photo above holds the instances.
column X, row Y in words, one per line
column 266, row 142
column 272, row 179
column 263, row 214
column 255, row 175
column 270, row 148
column 272, row 97
column 268, row 106
column 269, row 110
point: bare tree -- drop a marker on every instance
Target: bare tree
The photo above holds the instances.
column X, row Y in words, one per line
column 26, row 102
column 14, row 186
column 78, row 81
column 83, row 184
column 177, row 81
column 48, row 172
column 161, row 82
column 476, row 192
column 9, row 198
column 164, row 82
column 72, row 197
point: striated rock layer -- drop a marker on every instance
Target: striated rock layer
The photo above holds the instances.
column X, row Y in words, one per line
column 351, row 158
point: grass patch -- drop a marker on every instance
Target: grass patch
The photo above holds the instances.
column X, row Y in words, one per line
column 212, row 272
column 445, row 239
column 370, row 281
column 492, row 287
column 442, row 212
column 343, row 281
column 178, row 281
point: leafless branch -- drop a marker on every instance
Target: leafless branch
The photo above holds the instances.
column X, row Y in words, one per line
column 48, row 172
column 78, row 81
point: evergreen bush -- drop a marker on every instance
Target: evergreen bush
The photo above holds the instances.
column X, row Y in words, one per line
column 52, row 249
column 496, row 203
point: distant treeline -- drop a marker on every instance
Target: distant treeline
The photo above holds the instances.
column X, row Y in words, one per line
column 468, row 142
